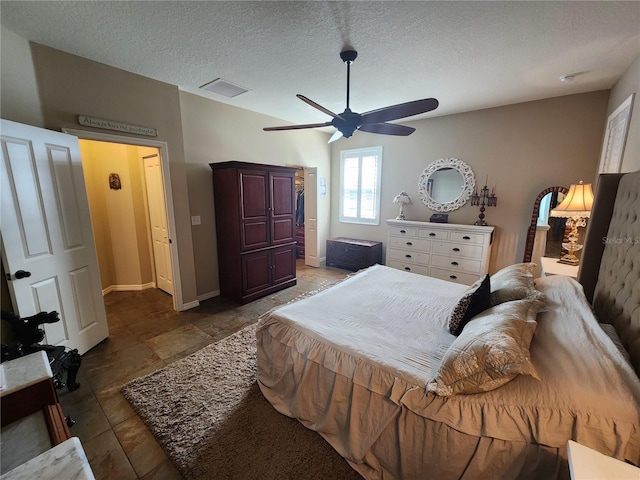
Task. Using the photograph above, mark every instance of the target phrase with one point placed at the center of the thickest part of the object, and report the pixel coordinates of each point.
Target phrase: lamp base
(567, 260)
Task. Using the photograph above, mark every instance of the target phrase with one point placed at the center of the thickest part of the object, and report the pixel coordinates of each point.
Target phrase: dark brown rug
(208, 413)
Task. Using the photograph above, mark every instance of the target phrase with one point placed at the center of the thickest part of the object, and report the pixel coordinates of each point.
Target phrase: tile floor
(145, 334)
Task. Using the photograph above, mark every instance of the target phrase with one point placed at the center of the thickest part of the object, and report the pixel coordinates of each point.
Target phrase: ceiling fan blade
(401, 110)
(387, 129)
(318, 106)
(297, 127)
(335, 136)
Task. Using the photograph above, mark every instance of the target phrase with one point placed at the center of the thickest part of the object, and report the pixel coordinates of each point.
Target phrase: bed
(372, 366)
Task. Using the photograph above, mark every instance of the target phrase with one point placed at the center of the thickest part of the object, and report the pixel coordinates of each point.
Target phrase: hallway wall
(119, 217)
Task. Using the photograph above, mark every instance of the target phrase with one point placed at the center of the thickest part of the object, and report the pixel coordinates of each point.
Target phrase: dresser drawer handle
(456, 249)
(408, 269)
(432, 234)
(409, 243)
(407, 256)
(403, 231)
(454, 263)
(466, 237)
(453, 277)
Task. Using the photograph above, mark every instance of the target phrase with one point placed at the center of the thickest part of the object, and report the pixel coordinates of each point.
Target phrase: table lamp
(402, 199)
(576, 208)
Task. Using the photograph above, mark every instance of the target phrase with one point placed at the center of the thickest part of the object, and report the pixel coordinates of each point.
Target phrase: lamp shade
(577, 202)
(403, 199)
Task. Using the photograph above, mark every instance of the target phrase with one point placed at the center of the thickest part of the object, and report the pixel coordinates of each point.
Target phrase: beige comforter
(354, 360)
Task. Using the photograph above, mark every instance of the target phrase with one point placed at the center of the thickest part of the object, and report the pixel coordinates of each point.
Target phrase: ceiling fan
(373, 121)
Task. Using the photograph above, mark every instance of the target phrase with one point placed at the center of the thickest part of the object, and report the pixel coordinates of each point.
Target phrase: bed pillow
(491, 350)
(474, 301)
(514, 282)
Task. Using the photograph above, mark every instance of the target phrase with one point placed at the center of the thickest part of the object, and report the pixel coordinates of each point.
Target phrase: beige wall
(629, 83)
(71, 85)
(119, 217)
(19, 100)
(215, 132)
(523, 148)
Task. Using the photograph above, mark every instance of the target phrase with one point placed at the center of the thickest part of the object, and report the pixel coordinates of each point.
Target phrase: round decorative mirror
(446, 184)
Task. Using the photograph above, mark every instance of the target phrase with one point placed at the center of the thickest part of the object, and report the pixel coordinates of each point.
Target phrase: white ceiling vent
(225, 88)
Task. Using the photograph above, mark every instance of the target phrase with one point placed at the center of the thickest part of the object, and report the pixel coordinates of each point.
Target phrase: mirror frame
(531, 231)
(467, 176)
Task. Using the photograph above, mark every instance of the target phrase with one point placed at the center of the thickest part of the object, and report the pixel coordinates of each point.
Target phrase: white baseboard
(207, 296)
(128, 288)
(188, 306)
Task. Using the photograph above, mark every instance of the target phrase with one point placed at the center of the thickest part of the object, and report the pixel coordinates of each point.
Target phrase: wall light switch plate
(195, 220)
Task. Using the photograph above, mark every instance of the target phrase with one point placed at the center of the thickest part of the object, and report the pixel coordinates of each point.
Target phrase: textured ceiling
(468, 55)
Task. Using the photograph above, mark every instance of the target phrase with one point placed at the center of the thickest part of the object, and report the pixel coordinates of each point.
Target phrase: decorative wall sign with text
(117, 126)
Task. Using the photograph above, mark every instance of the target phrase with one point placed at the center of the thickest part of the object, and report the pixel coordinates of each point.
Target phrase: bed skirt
(360, 413)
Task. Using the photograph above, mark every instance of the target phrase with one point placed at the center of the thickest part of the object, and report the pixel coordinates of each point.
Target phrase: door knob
(21, 274)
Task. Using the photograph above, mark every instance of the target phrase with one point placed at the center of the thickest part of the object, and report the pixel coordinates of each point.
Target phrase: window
(360, 174)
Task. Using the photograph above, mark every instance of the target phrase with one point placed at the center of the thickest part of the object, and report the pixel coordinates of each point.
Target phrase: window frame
(360, 153)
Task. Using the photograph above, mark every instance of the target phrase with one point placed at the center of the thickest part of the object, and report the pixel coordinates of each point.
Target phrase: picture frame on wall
(615, 137)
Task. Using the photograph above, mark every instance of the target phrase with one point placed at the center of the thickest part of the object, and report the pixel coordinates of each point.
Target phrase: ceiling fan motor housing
(348, 122)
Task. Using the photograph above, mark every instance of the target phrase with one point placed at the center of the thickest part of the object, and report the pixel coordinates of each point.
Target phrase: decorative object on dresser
(255, 225)
(446, 184)
(576, 207)
(484, 199)
(457, 253)
(353, 254)
(402, 199)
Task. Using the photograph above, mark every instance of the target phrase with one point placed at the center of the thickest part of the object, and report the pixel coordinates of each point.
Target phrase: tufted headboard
(616, 289)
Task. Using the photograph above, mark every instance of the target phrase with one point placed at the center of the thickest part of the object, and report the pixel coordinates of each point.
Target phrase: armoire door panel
(284, 263)
(282, 230)
(254, 195)
(255, 235)
(282, 195)
(256, 271)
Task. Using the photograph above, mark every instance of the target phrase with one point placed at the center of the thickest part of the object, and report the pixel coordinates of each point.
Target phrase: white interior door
(158, 219)
(46, 231)
(311, 216)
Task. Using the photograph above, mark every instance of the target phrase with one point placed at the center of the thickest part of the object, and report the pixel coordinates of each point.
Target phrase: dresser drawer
(457, 249)
(433, 234)
(467, 237)
(409, 256)
(456, 264)
(410, 267)
(457, 277)
(403, 231)
(416, 244)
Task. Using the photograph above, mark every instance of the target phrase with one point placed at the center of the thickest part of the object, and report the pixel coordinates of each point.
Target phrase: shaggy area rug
(208, 413)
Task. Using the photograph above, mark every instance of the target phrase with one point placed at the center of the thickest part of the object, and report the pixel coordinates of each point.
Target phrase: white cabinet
(457, 253)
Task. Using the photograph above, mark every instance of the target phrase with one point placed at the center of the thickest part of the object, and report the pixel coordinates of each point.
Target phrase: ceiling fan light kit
(374, 121)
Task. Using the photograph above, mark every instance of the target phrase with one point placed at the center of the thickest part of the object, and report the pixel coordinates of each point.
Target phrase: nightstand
(588, 464)
(550, 266)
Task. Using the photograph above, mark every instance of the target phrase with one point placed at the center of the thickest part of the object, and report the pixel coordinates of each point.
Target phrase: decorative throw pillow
(474, 301)
(490, 351)
(514, 282)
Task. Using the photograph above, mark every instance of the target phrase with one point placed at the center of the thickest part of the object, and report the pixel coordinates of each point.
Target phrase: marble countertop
(65, 461)
(24, 372)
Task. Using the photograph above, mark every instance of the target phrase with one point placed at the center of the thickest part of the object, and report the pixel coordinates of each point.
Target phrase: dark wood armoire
(255, 224)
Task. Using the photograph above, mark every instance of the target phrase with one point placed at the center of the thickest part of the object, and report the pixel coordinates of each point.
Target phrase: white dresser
(457, 253)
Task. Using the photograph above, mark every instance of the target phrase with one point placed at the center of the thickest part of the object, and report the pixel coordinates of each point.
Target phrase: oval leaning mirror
(446, 184)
